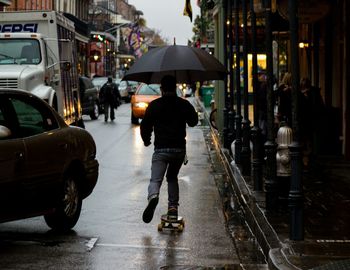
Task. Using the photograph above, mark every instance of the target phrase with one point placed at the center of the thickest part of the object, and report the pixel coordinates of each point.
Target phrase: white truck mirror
(4, 132)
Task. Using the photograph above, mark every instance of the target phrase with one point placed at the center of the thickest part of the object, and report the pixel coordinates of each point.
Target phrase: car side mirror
(4, 132)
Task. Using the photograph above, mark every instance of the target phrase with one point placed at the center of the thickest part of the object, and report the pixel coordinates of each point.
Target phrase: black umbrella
(186, 64)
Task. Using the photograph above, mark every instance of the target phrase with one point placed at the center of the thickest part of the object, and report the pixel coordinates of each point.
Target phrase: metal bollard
(284, 139)
(283, 163)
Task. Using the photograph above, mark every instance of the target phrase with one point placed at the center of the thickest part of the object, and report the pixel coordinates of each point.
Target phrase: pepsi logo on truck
(15, 28)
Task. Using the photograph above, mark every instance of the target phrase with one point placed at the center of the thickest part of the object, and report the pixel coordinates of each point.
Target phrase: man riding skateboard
(167, 117)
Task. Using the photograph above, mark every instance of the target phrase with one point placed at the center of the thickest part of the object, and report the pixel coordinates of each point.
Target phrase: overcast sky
(166, 16)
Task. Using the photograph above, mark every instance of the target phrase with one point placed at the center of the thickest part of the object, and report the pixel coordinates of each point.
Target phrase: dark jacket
(167, 117)
(109, 93)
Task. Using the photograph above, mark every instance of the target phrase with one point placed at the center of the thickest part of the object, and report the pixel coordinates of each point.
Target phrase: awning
(5, 2)
(82, 38)
(80, 26)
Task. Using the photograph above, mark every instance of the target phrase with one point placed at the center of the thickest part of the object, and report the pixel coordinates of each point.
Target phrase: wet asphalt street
(110, 233)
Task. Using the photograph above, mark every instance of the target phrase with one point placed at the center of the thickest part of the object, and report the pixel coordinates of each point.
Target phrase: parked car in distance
(122, 90)
(89, 98)
(47, 167)
(145, 93)
(186, 89)
(129, 87)
(100, 81)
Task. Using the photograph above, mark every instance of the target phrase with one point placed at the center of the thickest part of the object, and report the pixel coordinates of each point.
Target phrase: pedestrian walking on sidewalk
(284, 99)
(167, 117)
(110, 98)
(311, 120)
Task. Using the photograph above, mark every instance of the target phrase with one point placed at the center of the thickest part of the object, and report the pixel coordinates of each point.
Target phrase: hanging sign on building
(309, 11)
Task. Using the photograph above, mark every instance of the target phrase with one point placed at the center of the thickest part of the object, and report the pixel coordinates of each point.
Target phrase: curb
(274, 250)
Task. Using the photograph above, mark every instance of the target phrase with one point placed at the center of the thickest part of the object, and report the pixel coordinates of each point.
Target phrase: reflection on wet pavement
(247, 247)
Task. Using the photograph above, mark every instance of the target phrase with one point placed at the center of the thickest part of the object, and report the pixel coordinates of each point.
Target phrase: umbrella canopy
(187, 64)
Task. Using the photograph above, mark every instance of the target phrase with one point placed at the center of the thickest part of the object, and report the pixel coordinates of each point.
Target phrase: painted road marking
(141, 246)
(91, 243)
(332, 241)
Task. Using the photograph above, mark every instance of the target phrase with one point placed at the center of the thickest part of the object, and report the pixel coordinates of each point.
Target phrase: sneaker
(172, 212)
(149, 211)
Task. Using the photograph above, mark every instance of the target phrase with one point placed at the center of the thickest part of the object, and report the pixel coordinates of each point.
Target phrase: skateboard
(171, 224)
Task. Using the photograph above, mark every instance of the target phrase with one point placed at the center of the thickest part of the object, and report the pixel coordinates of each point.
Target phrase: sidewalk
(326, 242)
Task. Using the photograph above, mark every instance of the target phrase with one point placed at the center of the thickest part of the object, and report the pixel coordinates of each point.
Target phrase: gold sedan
(144, 94)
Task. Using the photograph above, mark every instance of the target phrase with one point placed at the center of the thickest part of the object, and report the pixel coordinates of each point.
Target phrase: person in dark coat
(167, 117)
(311, 108)
(284, 99)
(261, 104)
(110, 98)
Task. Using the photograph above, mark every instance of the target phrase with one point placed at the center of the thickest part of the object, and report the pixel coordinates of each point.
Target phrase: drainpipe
(270, 145)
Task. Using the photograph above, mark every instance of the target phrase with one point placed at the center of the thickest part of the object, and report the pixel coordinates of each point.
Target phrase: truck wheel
(67, 212)
(94, 114)
(134, 120)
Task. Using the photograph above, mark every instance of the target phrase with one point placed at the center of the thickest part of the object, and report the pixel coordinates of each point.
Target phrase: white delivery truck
(38, 54)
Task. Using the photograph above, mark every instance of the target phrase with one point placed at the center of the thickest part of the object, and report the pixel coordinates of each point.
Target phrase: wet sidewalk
(326, 243)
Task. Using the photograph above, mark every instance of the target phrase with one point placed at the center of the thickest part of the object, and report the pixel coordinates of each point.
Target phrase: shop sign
(309, 11)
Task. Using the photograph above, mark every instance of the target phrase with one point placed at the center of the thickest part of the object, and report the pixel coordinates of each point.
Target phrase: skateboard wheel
(160, 227)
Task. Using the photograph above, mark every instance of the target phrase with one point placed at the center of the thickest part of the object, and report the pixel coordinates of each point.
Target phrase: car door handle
(19, 155)
(64, 146)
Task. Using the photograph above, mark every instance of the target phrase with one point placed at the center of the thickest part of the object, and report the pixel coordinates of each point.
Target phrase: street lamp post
(231, 114)
(256, 131)
(296, 197)
(238, 117)
(226, 95)
(246, 122)
(270, 145)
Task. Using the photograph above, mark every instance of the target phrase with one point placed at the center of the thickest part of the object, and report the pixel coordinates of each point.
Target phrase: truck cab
(37, 54)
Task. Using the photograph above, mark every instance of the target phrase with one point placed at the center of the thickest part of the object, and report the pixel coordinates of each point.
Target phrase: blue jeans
(169, 161)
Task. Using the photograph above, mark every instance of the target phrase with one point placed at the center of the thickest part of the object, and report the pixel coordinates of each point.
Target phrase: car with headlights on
(47, 167)
(144, 94)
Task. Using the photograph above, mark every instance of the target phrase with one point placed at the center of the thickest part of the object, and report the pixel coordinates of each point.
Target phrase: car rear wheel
(67, 212)
(94, 114)
(134, 120)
